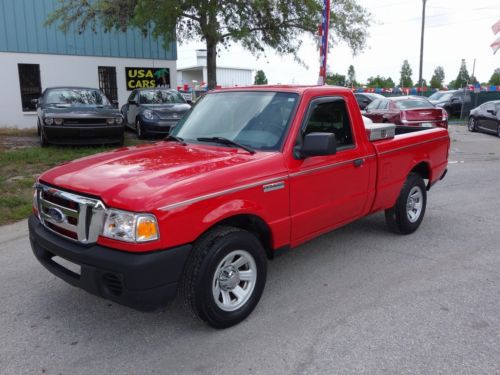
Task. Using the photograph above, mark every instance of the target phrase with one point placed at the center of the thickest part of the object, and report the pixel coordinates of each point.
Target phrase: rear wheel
(408, 212)
(224, 276)
(472, 124)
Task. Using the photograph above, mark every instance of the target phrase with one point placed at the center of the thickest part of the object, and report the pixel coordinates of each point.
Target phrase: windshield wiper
(175, 139)
(226, 141)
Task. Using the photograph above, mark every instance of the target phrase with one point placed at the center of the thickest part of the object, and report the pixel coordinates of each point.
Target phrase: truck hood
(147, 177)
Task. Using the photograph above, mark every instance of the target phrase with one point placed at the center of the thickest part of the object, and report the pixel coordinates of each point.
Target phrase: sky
(455, 30)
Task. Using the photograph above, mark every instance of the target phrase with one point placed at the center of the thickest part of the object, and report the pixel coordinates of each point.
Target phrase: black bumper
(142, 281)
(84, 134)
(158, 126)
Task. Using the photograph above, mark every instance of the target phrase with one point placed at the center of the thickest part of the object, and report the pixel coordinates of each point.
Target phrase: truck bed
(430, 145)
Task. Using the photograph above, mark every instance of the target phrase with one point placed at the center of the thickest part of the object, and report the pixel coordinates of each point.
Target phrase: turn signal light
(147, 229)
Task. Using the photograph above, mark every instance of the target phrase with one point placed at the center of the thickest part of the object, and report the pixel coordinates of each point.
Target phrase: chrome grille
(70, 215)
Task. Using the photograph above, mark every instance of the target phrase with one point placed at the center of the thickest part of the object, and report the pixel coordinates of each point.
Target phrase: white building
(194, 75)
(34, 57)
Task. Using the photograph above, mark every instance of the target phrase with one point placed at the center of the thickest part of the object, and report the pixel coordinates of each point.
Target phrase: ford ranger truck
(246, 174)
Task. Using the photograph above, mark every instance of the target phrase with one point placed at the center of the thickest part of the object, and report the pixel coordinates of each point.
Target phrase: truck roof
(299, 89)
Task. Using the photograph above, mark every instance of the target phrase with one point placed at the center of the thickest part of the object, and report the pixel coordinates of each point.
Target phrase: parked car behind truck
(154, 111)
(407, 111)
(247, 173)
(77, 115)
(486, 118)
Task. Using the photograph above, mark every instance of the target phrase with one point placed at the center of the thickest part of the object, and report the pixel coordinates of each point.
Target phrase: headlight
(110, 121)
(148, 114)
(118, 120)
(130, 227)
(58, 121)
(48, 121)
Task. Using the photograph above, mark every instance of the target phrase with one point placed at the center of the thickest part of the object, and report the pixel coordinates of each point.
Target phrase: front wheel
(224, 276)
(140, 129)
(43, 139)
(408, 212)
(471, 124)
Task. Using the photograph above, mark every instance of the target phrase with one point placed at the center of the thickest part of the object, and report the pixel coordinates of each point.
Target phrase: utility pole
(420, 82)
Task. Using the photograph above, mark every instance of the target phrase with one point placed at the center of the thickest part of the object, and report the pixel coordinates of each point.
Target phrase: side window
(374, 104)
(331, 117)
(384, 104)
(29, 82)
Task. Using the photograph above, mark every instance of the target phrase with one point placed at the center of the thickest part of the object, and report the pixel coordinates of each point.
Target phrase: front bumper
(142, 281)
(158, 126)
(83, 134)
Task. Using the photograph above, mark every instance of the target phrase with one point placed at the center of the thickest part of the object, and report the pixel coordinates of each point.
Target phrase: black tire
(204, 263)
(498, 130)
(139, 129)
(43, 139)
(398, 217)
(471, 125)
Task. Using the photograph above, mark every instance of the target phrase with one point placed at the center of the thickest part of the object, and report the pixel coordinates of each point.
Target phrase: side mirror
(316, 144)
(454, 100)
(190, 102)
(132, 102)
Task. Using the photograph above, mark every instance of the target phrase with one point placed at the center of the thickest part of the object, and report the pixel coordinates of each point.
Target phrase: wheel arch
(252, 223)
(423, 169)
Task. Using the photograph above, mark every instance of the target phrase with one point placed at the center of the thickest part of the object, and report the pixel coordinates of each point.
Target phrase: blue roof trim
(22, 30)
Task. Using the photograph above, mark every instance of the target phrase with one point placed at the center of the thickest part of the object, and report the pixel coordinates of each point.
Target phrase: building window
(29, 81)
(107, 82)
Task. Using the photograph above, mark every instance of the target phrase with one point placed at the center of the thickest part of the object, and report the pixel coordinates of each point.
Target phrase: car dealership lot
(357, 300)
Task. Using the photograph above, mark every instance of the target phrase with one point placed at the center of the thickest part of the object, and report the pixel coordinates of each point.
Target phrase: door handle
(358, 162)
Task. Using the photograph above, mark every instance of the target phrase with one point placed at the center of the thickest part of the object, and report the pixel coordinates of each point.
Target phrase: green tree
(335, 79)
(256, 24)
(406, 73)
(437, 78)
(463, 76)
(260, 78)
(351, 76)
(380, 82)
(495, 78)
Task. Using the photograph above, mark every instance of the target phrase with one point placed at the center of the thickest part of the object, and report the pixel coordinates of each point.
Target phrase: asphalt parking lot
(357, 300)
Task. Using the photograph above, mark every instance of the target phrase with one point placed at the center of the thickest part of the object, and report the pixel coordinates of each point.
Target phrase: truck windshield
(257, 119)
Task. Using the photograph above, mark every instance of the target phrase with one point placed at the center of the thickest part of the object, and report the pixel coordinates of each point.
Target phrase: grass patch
(20, 167)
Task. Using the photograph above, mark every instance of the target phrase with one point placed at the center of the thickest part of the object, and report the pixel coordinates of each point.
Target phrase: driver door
(327, 191)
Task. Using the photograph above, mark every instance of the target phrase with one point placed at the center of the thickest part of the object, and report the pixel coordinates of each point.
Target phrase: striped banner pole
(323, 34)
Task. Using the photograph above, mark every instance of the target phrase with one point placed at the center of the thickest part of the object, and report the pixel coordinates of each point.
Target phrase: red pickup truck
(246, 174)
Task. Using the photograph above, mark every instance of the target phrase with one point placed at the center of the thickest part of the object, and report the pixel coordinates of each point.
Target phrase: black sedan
(365, 98)
(77, 115)
(154, 111)
(486, 117)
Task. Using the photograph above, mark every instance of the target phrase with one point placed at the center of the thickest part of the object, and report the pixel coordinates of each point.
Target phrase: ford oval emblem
(56, 214)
